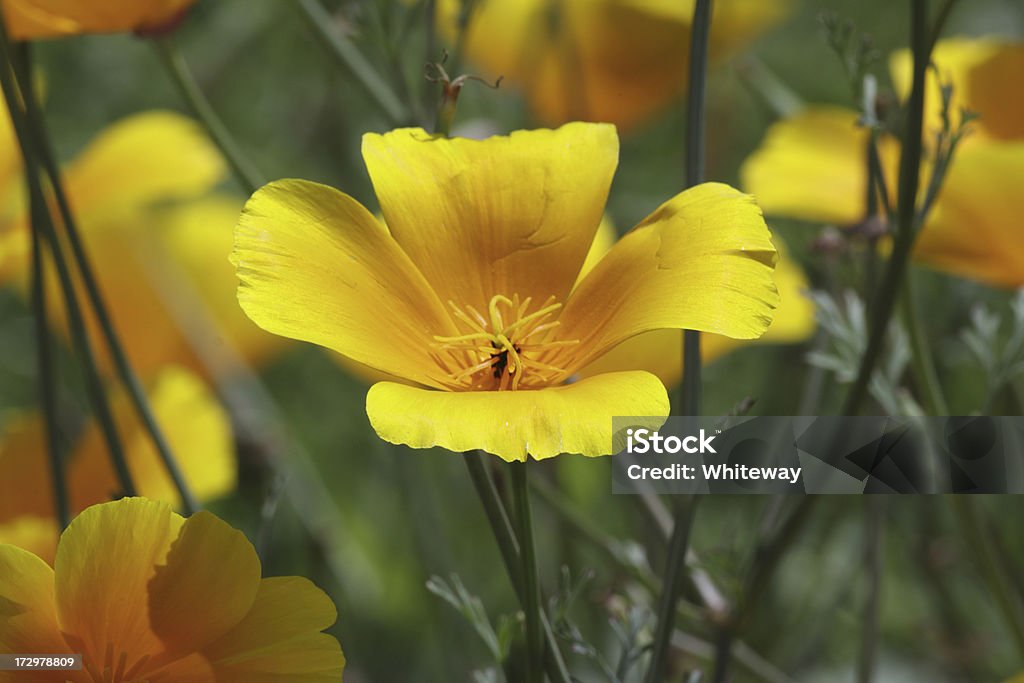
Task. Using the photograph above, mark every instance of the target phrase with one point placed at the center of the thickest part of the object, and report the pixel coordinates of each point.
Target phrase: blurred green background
(396, 517)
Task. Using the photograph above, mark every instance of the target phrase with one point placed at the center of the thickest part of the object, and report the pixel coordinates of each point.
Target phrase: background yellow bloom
(196, 427)
(144, 594)
(619, 61)
(28, 19)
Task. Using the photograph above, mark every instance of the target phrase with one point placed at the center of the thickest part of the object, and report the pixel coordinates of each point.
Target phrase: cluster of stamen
(116, 669)
(507, 349)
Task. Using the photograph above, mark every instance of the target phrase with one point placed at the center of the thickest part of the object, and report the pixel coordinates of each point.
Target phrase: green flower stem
(352, 61)
(243, 169)
(998, 577)
(874, 531)
(43, 222)
(690, 394)
(508, 545)
(922, 365)
(906, 225)
(675, 567)
(531, 583)
(95, 297)
(47, 380)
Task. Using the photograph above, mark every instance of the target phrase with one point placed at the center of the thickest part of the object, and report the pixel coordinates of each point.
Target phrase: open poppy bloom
(468, 292)
(31, 19)
(194, 423)
(813, 165)
(144, 594)
(156, 239)
(618, 61)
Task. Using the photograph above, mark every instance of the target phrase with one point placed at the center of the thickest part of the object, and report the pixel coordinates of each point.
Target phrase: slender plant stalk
(671, 587)
(47, 379)
(36, 124)
(508, 545)
(44, 223)
(352, 61)
(244, 170)
(922, 364)
(690, 396)
(906, 228)
(531, 581)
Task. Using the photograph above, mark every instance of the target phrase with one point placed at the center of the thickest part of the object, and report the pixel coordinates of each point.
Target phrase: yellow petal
(604, 240)
(979, 70)
(974, 228)
(315, 265)
(28, 612)
(29, 19)
(105, 561)
(574, 418)
(38, 535)
(205, 587)
(660, 352)
(150, 157)
(196, 427)
(702, 261)
(508, 215)
(813, 166)
(196, 236)
(279, 640)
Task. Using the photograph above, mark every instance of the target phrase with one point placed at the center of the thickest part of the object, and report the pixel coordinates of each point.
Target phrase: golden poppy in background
(157, 241)
(468, 291)
(196, 427)
(813, 165)
(615, 61)
(144, 594)
(31, 19)
(660, 352)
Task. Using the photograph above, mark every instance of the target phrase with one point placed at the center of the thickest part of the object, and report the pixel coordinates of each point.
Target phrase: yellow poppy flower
(660, 352)
(196, 427)
(150, 240)
(618, 61)
(31, 19)
(144, 594)
(813, 166)
(468, 290)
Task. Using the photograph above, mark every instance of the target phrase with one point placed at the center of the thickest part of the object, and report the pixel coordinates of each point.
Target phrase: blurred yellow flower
(813, 166)
(617, 61)
(134, 191)
(31, 19)
(144, 594)
(196, 428)
(660, 351)
(468, 289)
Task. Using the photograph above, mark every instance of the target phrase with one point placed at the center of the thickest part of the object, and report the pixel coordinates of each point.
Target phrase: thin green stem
(47, 380)
(95, 297)
(501, 527)
(531, 581)
(44, 222)
(922, 364)
(177, 68)
(675, 568)
(690, 396)
(906, 228)
(351, 60)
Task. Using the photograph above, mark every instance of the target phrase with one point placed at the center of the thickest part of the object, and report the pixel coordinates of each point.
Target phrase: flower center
(118, 669)
(508, 349)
